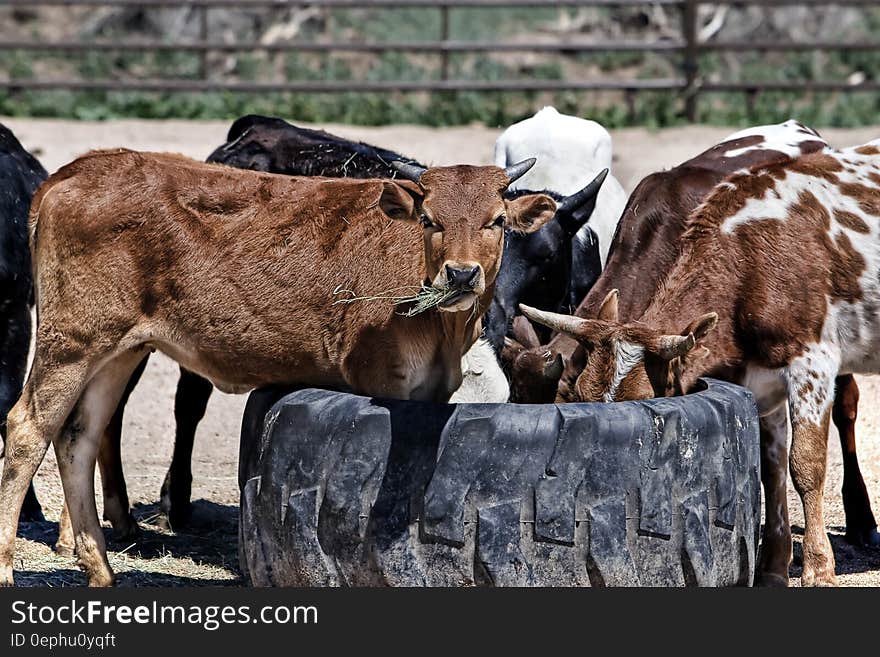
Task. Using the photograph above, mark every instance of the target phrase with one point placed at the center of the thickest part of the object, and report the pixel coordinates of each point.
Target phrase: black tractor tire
(343, 490)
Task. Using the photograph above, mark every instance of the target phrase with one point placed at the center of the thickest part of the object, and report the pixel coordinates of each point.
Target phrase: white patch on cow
(850, 339)
(811, 383)
(626, 357)
(484, 380)
(773, 205)
(604, 220)
(784, 137)
(570, 151)
(855, 327)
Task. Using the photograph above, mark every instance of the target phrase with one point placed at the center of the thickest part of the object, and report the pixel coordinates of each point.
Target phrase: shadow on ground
(848, 558)
(187, 557)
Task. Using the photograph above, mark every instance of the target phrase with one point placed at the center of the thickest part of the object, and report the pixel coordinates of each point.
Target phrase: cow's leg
(861, 527)
(35, 420)
(776, 536)
(77, 450)
(190, 402)
(13, 355)
(65, 545)
(810, 394)
(116, 505)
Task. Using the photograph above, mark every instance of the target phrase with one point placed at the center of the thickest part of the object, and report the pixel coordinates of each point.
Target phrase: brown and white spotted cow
(777, 287)
(644, 250)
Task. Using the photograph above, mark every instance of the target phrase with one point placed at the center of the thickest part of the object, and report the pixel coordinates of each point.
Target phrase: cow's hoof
(6, 576)
(31, 511)
(813, 578)
(126, 530)
(771, 580)
(100, 579)
(64, 549)
(869, 537)
(177, 518)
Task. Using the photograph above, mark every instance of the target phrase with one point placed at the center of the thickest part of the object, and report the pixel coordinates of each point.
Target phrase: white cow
(484, 380)
(571, 151)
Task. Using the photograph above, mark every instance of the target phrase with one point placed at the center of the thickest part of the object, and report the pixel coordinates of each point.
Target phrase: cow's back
(648, 237)
(206, 250)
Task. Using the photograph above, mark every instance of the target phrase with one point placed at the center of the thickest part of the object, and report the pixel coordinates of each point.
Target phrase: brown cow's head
(463, 215)
(534, 370)
(619, 362)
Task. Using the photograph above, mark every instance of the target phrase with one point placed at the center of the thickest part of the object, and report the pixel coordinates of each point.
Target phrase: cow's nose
(462, 279)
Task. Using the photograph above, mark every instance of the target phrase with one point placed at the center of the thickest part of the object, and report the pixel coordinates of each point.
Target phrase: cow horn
(675, 346)
(408, 171)
(565, 323)
(517, 170)
(576, 200)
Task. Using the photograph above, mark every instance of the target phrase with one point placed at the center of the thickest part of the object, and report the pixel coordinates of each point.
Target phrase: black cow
(20, 175)
(264, 143)
(541, 260)
(538, 266)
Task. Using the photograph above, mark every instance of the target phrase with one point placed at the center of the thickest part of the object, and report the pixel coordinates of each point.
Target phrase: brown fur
(768, 280)
(645, 247)
(234, 274)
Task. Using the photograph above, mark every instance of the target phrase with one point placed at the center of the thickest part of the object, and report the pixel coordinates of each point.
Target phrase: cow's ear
(527, 214)
(554, 366)
(400, 199)
(702, 325)
(524, 332)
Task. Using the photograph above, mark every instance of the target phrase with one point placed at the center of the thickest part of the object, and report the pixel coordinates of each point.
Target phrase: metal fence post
(203, 35)
(691, 58)
(444, 37)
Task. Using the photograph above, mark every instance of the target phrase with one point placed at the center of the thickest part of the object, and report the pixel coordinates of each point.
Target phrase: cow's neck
(459, 332)
(698, 285)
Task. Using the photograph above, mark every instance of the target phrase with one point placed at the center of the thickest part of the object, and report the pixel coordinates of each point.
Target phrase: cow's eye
(498, 222)
(426, 222)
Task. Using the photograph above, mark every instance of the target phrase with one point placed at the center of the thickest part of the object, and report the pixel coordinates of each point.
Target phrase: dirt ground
(206, 552)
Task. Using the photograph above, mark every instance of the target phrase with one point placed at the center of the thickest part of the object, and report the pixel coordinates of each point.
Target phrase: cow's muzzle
(465, 280)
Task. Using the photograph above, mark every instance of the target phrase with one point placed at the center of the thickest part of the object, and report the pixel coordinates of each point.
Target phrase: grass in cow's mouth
(426, 298)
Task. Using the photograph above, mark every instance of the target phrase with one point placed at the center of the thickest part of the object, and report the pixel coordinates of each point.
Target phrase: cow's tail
(34, 222)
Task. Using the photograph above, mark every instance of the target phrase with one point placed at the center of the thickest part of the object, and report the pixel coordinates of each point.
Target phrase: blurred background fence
(443, 61)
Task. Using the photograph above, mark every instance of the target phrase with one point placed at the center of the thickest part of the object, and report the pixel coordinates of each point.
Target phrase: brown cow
(232, 273)
(784, 260)
(643, 251)
(648, 240)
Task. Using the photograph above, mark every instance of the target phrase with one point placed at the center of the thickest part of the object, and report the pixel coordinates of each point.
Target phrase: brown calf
(232, 273)
(784, 260)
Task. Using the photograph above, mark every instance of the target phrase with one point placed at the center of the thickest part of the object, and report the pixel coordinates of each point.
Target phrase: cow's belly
(381, 367)
(768, 386)
(857, 333)
(237, 373)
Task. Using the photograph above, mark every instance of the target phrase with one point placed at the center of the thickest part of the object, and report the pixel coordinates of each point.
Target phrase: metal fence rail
(688, 47)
